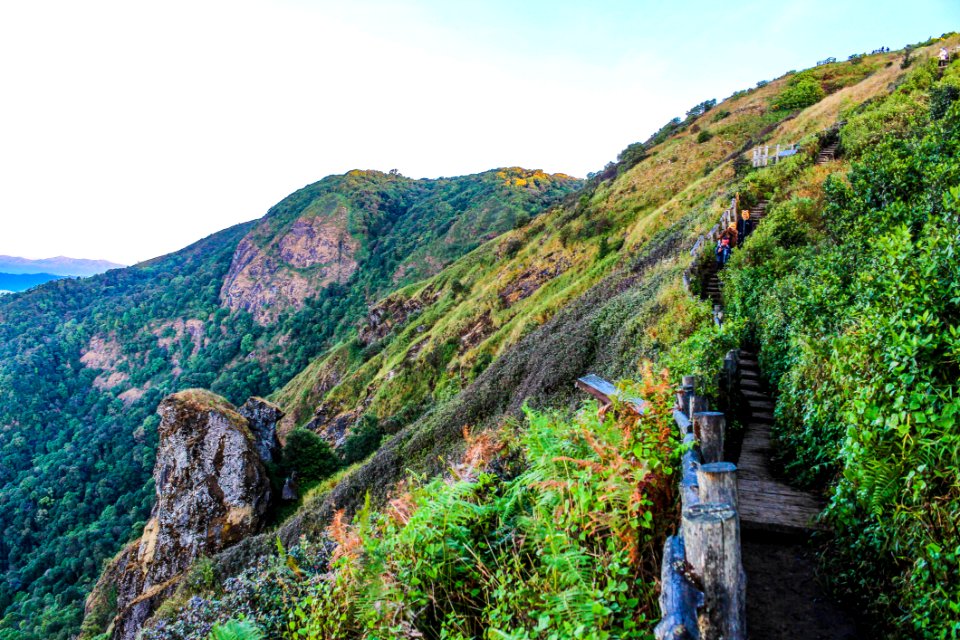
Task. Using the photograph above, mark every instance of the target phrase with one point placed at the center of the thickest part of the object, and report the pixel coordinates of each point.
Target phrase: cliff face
(212, 491)
(264, 279)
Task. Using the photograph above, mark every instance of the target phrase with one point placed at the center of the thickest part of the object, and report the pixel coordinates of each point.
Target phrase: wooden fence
(762, 157)
(703, 586)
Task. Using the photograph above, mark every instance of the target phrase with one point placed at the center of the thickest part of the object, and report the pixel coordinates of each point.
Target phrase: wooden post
(727, 380)
(712, 539)
(697, 404)
(679, 599)
(688, 387)
(717, 482)
(709, 428)
(689, 479)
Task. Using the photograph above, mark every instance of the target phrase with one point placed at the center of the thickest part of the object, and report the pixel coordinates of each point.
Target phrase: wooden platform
(766, 503)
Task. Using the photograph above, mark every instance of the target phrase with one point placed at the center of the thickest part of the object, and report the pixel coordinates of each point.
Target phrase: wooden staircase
(766, 502)
(827, 153)
(711, 290)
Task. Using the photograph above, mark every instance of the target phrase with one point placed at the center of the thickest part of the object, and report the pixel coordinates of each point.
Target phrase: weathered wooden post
(717, 482)
(729, 376)
(709, 428)
(688, 388)
(697, 404)
(712, 539)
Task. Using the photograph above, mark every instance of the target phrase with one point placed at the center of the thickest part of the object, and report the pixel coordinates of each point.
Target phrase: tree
(702, 108)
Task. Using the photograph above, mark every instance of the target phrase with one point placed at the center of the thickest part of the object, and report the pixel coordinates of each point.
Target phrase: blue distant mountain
(58, 266)
(22, 281)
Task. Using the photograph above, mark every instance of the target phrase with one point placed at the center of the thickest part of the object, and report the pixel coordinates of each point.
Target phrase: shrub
(802, 91)
(309, 455)
(941, 97)
(855, 303)
(703, 136)
(363, 441)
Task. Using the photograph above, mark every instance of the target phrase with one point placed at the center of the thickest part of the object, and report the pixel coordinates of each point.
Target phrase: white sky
(131, 129)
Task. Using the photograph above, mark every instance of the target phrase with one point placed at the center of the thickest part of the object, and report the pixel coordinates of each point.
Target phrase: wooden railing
(762, 156)
(703, 586)
(728, 216)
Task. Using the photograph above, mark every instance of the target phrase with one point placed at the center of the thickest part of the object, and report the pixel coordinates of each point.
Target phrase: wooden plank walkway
(767, 503)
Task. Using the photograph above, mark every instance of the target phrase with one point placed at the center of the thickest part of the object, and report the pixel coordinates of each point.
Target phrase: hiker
(944, 56)
(723, 251)
(744, 227)
(731, 234)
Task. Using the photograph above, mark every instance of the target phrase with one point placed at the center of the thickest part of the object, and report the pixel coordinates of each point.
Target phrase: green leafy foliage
(802, 91)
(235, 630)
(309, 455)
(856, 300)
(562, 542)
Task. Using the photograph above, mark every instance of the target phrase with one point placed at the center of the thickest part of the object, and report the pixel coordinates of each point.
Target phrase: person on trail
(744, 227)
(723, 251)
(944, 56)
(731, 234)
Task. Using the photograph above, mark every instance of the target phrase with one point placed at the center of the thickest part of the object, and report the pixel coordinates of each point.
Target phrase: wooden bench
(606, 393)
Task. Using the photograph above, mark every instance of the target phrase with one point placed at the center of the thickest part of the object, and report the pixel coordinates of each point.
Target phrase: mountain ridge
(58, 266)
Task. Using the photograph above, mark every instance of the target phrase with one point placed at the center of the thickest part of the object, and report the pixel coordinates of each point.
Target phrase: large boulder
(212, 491)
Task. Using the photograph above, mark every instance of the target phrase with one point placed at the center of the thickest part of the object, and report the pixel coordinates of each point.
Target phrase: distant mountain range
(58, 266)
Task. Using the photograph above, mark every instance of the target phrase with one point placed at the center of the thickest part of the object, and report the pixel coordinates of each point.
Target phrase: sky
(132, 128)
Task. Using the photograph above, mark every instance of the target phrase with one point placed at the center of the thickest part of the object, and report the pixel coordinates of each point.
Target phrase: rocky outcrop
(270, 273)
(212, 491)
(394, 312)
(262, 417)
(534, 277)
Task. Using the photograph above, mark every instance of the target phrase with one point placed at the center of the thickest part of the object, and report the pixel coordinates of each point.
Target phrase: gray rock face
(212, 491)
(262, 417)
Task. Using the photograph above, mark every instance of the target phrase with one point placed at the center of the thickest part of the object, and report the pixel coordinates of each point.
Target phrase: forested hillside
(84, 363)
(549, 522)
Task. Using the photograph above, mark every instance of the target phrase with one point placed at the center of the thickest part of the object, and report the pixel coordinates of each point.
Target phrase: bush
(363, 441)
(802, 91)
(941, 97)
(309, 455)
(703, 136)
